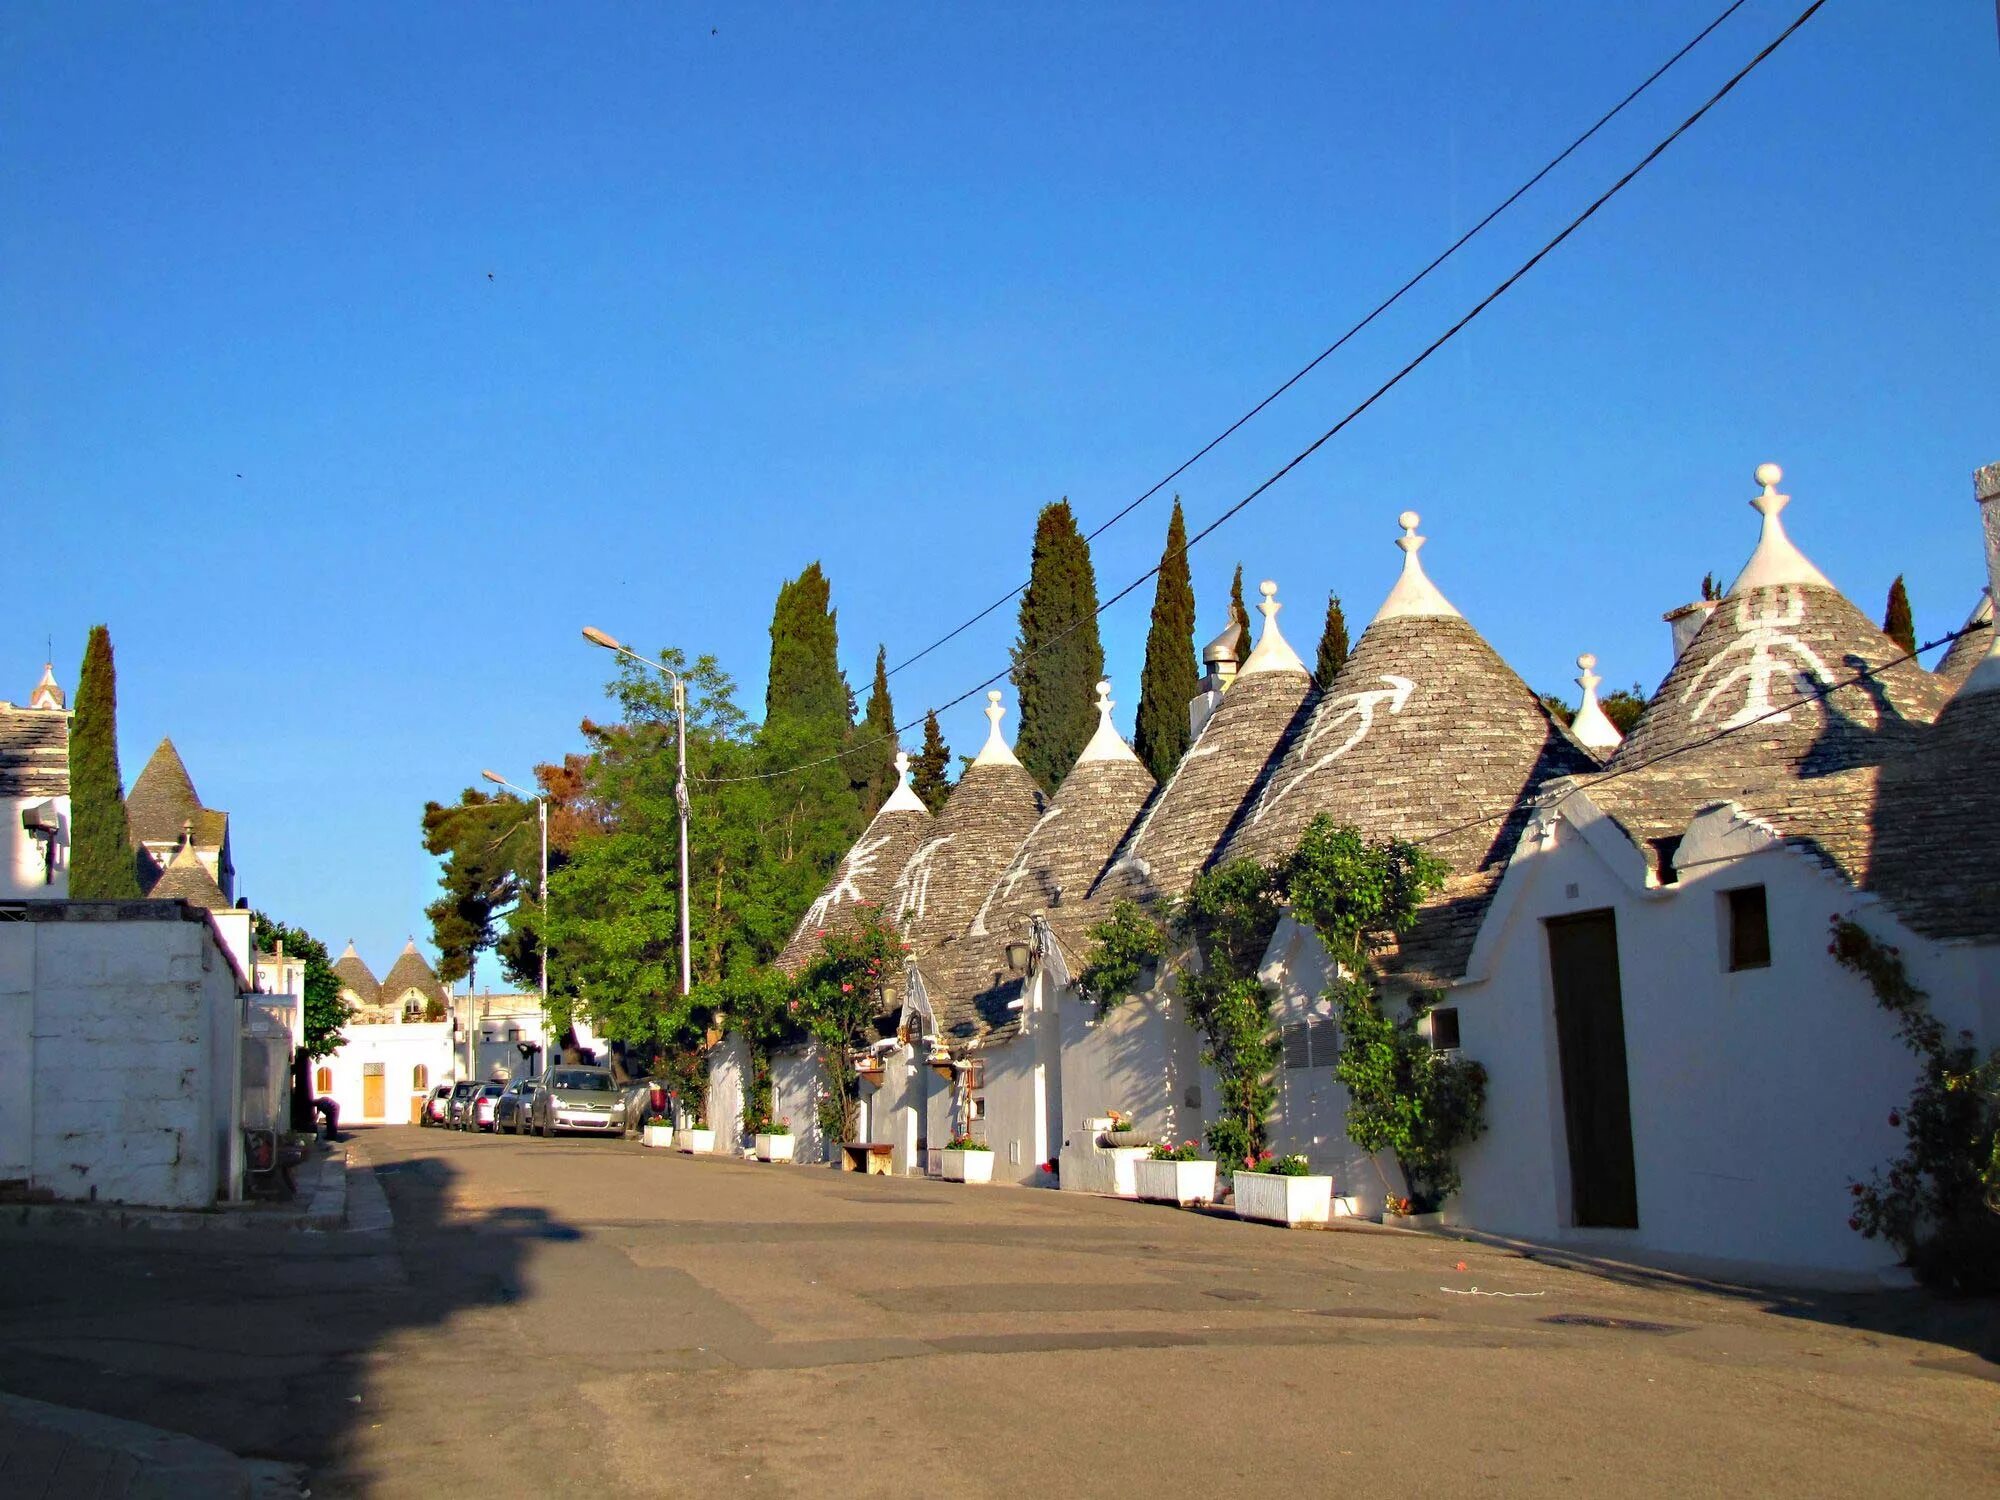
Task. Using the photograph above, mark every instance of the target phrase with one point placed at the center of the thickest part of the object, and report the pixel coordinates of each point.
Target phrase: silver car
(581, 1099)
(513, 1111)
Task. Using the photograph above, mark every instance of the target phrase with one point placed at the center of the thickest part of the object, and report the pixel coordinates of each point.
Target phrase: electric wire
(1381, 307)
(1513, 279)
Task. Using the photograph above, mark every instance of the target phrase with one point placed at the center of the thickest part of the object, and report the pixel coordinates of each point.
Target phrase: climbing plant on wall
(841, 993)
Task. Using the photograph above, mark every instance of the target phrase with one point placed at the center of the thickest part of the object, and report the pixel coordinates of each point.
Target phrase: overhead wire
(1381, 307)
(1728, 87)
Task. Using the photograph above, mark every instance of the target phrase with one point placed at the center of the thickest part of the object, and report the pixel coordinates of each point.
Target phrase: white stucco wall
(728, 1074)
(121, 1024)
(1140, 1057)
(399, 1048)
(794, 1095)
(1757, 1097)
(23, 874)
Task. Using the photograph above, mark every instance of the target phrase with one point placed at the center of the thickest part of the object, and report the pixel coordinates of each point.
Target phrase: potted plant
(1282, 1190)
(697, 1139)
(774, 1142)
(1175, 1174)
(659, 1133)
(967, 1160)
(1120, 1131)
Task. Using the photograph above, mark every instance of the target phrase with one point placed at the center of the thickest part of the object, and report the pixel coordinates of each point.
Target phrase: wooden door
(1590, 1035)
(373, 1092)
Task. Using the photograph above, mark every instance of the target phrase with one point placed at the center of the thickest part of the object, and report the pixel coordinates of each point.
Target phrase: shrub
(1278, 1166)
(1168, 1151)
(966, 1143)
(1121, 948)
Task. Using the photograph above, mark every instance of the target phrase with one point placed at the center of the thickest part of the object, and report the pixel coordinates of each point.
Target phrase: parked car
(578, 1098)
(479, 1114)
(437, 1108)
(511, 1114)
(460, 1101)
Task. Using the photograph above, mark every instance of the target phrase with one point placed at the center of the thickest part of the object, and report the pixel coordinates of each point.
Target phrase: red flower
(845, 988)
(1895, 1119)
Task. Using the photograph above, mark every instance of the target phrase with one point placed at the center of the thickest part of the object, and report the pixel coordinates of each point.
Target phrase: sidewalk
(319, 1204)
(57, 1453)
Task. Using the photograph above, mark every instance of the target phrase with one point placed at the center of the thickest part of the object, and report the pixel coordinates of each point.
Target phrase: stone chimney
(1219, 658)
(1687, 622)
(1985, 676)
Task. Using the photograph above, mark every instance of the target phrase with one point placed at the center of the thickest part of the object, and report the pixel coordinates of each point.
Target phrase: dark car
(511, 1113)
(576, 1098)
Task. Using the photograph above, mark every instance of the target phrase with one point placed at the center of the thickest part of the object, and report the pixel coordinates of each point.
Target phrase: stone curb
(140, 1462)
(321, 1205)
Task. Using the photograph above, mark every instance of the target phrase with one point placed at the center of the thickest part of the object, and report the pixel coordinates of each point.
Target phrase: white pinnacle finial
(1107, 743)
(1273, 653)
(904, 798)
(1414, 594)
(1591, 726)
(1776, 561)
(996, 751)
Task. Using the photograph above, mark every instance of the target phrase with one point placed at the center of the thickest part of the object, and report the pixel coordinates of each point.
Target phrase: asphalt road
(585, 1317)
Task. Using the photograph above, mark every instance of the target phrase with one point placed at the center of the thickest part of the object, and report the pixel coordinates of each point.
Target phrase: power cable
(1319, 442)
(1381, 307)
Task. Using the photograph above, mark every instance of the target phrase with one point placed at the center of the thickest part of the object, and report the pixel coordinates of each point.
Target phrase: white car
(580, 1099)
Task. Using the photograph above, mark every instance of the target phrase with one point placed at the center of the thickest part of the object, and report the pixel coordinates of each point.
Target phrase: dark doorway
(1597, 1105)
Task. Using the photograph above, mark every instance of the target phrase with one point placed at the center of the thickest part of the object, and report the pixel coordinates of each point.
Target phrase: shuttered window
(1313, 1043)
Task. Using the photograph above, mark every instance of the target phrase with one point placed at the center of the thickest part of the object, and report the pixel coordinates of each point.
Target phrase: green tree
(326, 1014)
(875, 744)
(808, 731)
(842, 993)
(1623, 707)
(1058, 658)
(490, 849)
(1238, 615)
(930, 772)
(805, 681)
(102, 865)
(1332, 642)
(1171, 674)
(1897, 623)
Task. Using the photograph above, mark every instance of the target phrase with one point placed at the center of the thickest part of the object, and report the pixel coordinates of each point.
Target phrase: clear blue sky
(870, 285)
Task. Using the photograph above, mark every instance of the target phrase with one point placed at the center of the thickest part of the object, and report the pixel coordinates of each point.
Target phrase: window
(978, 1109)
(1444, 1029)
(1311, 1043)
(1749, 928)
(323, 1081)
(420, 1078)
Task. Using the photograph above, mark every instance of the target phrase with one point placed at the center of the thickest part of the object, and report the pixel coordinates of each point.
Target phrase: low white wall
(398, 1048)
(1141, 1058)
(124, 1023)
(794, 1096)
(728, 1076)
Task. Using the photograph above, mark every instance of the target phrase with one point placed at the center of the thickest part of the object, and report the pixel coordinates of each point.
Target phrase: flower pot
(698, 1142)
(1120, 1138)
(1283, 1200)
(659, 1135)
(1432, 1220)
(775, 1147)
(967, 1166)
(1175, 1181)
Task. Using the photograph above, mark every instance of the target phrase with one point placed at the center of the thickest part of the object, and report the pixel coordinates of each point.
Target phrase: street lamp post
(598, 637)
(541, 816)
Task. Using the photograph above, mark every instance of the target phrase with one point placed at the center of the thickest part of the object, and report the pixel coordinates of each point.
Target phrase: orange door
(372, 1100)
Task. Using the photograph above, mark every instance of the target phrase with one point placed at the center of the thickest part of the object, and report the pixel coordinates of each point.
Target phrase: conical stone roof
(163, 805)
(867, 872)
(411, 972)
(1957, 662)
(187, 879)
(355, 975)
(1212, 787)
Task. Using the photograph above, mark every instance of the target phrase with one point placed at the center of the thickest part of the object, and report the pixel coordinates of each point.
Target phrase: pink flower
(845, 988)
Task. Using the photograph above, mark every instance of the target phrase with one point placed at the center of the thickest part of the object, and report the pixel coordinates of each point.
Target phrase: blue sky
(872, 284)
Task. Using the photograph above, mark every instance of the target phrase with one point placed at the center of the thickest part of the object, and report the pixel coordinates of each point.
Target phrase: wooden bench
(870, 1158)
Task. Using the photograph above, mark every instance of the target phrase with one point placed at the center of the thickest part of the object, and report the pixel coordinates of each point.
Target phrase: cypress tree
(1332, 642)
(930, 772)
(805, 683)
(1237, 612)
(1171, 674)
(102, 866)
(808, 724)
(875, 751)
(1058, 659)
(1897, 623)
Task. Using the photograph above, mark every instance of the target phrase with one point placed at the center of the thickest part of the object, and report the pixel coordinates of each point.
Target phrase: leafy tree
(1559, 708)
(842, 992)
(326, 1014)
(1897, 623)
(1058, 658)
(930, 772)
(805, 681)
(1623, 707)
(808, 728)
(491, 852)
(1710, 589)
(875, 744)
(102, 864)
(1227, 919)
(1238, 615)
(1171, 673)
(1332, 642)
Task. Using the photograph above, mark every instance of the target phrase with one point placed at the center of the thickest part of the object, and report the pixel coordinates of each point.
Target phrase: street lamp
(541, 816)
(598, 637)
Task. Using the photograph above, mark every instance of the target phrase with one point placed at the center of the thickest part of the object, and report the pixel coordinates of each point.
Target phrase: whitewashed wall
(23, 874)
(728, 1075)
(1139, 1057)
(400, 1048)
(794, 1096)
(1757, 1097)
(121, 1026)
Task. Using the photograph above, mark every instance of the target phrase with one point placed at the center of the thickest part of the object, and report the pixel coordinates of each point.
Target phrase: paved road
(565, 1316)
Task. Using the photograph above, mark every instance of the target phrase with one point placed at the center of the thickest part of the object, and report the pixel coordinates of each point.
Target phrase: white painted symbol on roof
(859, 865)
(1360, 712)
(1756, 658)
(1017, 871)
(915, 881)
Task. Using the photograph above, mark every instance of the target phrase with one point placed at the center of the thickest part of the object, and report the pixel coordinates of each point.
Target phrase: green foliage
(1058, 658)
(326, 1014)
(1122, 947)
(1171, 674)
(1355, 891)
(805, 681)
(1332, 642)
(1238, 615)
(102, 864)
(1623, 707)
(966, 1143)
(842, 993)
(490, 847)
(760, 1006)
(1227, 920)
(1939, 1202)
(1559, 708)
(930, 772)
(1293, 1165)
(1710, 589)
(1897, 622)
(875, 745)
(1168, 1151)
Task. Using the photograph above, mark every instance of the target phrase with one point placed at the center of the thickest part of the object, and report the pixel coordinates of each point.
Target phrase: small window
(978, 1111)
(323, 1081)
(1749, 928)
(420, 1078)
(1444, 1029)
(1297, 1046)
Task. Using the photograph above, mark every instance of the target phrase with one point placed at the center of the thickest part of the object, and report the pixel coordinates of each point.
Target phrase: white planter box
(1175, 1181)
(660, 1135)
(967, 1166)
(698, 1142)
(774, 1147)
(1413, 1221)
(1283, 1200)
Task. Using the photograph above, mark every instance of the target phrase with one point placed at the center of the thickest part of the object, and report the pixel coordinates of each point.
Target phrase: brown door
(373, 1093)
(1590, 1034)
